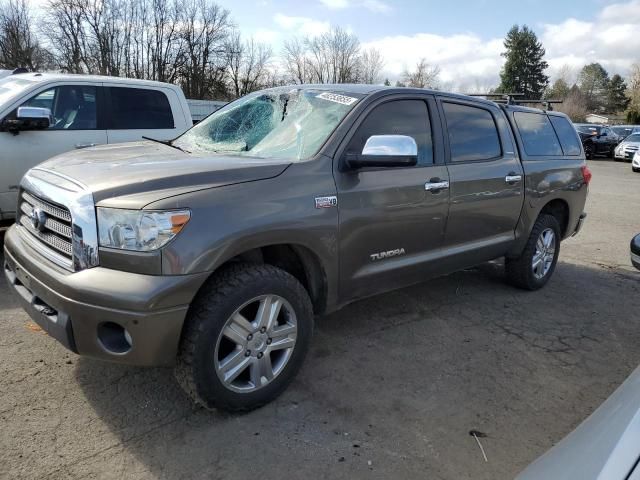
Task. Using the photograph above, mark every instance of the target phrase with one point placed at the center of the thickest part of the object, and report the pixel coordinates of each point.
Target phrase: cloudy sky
(462, 37)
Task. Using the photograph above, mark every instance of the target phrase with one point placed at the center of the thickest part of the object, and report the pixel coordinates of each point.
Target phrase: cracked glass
(289, 124)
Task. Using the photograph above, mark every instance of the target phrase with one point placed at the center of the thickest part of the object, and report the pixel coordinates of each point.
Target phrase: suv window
(73, 107)
(537, 134)
(473, 134)
(139, 108)
(567, 135)
(398, 117)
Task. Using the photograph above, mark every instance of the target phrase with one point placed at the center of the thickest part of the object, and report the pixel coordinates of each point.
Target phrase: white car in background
(42, 115)
(628, 147)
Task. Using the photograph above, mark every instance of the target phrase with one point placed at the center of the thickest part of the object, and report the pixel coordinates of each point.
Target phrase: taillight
(586, 174)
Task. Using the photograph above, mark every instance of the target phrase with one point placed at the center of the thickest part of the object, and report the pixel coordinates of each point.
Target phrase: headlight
(139, 230)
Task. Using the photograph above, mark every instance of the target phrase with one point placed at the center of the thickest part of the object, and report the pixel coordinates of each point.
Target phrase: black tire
(519, 270)
(635, 169)
(219, 298)
(588, 151)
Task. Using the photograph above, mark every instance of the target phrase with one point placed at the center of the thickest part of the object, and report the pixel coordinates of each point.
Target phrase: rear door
(140, 112)
(486, 178)
(390, 225)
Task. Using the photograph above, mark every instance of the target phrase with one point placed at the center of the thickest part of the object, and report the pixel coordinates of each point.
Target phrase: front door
(486, 182)
(74, 125)
(389, 223)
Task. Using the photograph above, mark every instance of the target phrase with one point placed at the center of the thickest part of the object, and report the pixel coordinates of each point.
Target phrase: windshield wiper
(165, 142)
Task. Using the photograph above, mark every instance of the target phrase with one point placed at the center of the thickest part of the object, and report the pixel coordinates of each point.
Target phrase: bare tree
(19, 46)
(332, 57)
(105, 35)
(247, 64)
(296, 64)
(574, 105)
(205, 32)
(370, 66)
(424, 75)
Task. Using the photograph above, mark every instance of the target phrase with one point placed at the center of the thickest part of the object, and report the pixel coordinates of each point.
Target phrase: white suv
(42, 115)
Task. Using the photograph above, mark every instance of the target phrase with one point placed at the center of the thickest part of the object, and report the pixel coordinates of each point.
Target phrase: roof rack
(509, 99)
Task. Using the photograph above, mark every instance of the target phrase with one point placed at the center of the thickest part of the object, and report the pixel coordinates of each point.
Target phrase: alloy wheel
(256, 343)
(544, 254)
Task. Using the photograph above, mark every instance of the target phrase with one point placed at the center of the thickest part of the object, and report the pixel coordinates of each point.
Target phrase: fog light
(114, 338)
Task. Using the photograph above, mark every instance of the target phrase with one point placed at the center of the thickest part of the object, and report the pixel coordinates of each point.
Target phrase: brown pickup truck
(213, 252)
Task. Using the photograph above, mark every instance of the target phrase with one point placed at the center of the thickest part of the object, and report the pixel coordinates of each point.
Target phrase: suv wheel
(537, 262)
(245, 337)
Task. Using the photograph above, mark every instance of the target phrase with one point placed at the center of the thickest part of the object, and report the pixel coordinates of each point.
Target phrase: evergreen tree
(593, 81)
(387, 83)
(523, 71)
(617, 100)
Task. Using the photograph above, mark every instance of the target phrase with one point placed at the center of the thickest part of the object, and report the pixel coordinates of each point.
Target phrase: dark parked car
(625, 130)
(635, 251)
(597, 139)
(214, 252)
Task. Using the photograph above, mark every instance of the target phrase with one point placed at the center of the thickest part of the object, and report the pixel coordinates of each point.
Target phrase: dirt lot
(390, 390)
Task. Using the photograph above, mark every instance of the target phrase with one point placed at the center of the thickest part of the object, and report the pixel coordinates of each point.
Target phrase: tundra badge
(387, 254)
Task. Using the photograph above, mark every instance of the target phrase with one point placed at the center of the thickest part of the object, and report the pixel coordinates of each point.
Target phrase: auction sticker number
(334, 97)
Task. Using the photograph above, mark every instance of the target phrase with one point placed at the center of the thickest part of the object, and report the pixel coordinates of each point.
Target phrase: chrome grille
(55, 233)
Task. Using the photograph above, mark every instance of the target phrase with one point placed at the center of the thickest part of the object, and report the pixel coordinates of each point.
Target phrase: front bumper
(78, 308)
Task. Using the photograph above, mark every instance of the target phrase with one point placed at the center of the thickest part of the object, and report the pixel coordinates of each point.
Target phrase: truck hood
(131, 175)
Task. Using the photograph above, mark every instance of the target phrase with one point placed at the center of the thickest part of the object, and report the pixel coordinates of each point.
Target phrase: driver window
(73, 107)
(398, 117)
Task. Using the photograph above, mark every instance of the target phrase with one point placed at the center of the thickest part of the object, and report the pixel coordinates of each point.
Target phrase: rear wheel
(588, 151)
(534, 267)
(245, 338)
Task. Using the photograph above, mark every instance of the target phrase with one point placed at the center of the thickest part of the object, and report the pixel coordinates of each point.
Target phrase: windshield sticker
(334, 97)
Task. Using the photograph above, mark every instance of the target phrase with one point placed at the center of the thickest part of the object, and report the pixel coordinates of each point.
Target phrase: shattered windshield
(282, 123)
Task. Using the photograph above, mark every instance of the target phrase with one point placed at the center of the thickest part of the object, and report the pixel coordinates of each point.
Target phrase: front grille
(55, 232)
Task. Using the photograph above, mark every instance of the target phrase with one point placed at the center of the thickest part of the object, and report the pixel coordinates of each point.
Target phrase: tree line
(591, 91)
(197, 45)
(192, 43)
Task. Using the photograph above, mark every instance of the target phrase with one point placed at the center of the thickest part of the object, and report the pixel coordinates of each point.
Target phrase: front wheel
(245, 337)
(534, 267)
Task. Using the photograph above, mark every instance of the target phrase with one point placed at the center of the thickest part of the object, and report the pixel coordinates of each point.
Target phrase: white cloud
(611, 39)
(377, 6)
(301, 25)
(469, 62)
(466, 61)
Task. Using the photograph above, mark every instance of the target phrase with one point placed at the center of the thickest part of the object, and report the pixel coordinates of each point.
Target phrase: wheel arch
(299, 260)
(559, 208)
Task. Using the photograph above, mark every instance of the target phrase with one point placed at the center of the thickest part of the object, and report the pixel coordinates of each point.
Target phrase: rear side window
(139, 108)
(399, 117)
(472, 133)
(537, 134)
(567, 135)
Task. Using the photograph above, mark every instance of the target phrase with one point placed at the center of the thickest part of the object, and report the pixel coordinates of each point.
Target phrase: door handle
(435, 185)
(85, 145)
(513, 178)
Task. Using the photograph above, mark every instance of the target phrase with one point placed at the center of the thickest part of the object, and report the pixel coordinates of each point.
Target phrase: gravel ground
(391, 389)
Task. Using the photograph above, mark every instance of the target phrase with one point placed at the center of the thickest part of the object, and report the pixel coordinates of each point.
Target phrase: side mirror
(28, 118)
(34, 118)
(386, 151)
